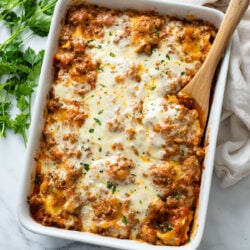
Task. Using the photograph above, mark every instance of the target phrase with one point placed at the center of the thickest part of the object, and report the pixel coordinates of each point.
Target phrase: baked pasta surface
(120, 152)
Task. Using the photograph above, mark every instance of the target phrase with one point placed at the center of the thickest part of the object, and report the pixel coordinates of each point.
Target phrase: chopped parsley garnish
(98, 121)
(153, 88)
(169, 227)
(176, 195)
(99, 46)
(167, 56)
(111, 186)
(100, 149)
(91, 130)
(100, 112)
(89, 41)
(156, 31)
(86, 166)
(157, 68)
(182, 73)
(101, 69)
(124, 220)
(102, 85)
(112, 54)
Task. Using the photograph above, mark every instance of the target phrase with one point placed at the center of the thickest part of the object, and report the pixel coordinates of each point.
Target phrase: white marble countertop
(227, 226)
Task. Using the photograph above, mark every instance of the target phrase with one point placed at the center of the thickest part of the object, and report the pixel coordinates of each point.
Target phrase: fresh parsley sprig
(19, 68)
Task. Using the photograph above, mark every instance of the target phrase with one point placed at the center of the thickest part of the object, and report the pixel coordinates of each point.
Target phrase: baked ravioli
(121, 153)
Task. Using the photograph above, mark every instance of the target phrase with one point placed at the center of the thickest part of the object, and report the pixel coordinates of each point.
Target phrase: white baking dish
(163, 7)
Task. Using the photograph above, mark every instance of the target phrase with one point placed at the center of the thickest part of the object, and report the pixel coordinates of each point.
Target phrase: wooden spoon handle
(234, 13)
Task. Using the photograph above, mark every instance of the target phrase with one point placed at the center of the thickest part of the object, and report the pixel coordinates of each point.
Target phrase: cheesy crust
(120, 154)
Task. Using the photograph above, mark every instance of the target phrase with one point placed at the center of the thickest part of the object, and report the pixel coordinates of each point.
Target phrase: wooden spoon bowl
(200, 86)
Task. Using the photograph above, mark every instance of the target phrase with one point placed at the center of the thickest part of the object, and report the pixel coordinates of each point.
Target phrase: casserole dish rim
(45, 81)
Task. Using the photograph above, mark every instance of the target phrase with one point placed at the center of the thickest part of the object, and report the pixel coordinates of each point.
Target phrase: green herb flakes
(100, 112)
(176, 195)
(111, 186)
(156, 31)
(89, 41)
(169, 228)
(86, 167)
(124, 220)
(98, 121)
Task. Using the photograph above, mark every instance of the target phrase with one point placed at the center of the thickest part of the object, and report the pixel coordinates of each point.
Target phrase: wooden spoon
(199, 87)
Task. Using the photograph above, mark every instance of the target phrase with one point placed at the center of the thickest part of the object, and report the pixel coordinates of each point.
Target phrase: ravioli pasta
(120, 154)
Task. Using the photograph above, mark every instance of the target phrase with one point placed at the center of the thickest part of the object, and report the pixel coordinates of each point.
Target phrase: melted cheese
(118, 139)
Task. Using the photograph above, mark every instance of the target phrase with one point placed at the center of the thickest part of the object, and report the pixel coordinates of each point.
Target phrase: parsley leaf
(23, 104)
(20, 125)
(31, 57)
(19, 69)
(98, 121)
(169, 227)
(40, 25)
(111, 186)
(124, 220)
